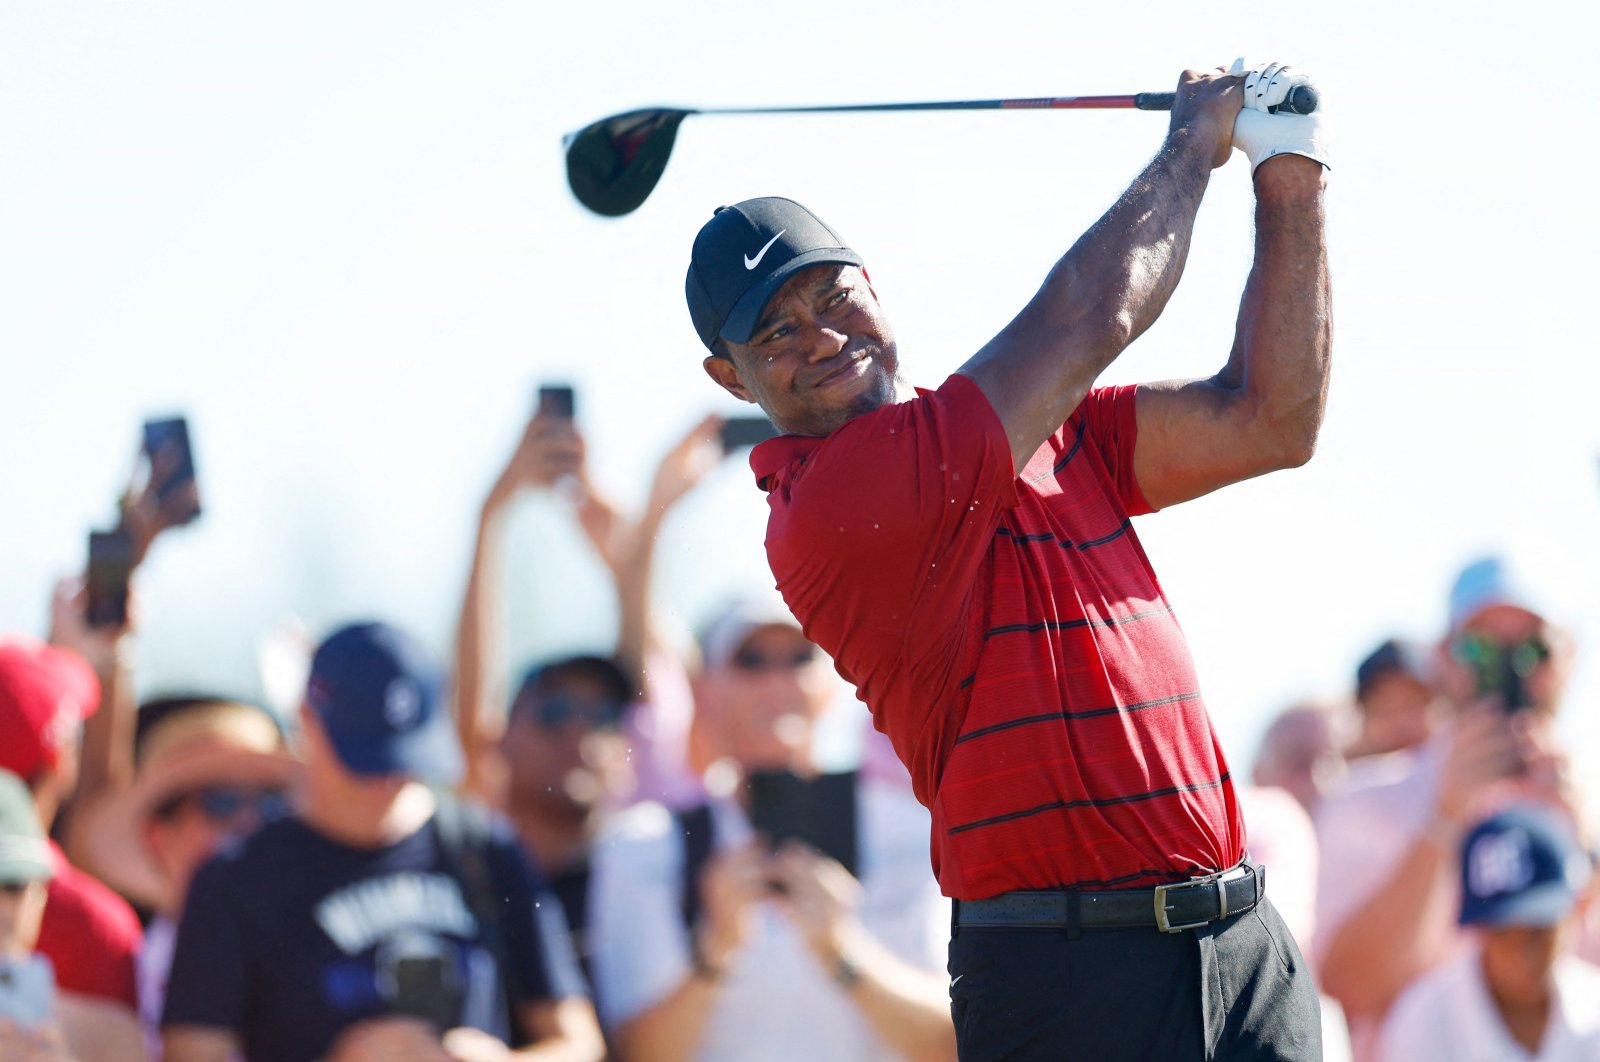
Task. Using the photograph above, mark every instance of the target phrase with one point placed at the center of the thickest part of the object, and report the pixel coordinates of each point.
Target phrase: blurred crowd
(638, 853)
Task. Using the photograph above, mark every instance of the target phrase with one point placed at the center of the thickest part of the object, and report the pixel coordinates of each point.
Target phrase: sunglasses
(223, 804)
(753, 661)
(554, 710)
(1523, 656)
(14, 888)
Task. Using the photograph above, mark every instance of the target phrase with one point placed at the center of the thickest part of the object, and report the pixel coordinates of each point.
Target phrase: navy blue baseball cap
(380, 698)
(1521, 867)
(743, 255)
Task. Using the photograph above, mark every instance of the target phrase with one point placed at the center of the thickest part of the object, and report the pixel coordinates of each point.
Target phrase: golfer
(966, 557)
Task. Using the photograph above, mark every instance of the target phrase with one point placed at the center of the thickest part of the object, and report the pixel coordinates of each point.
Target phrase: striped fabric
(1010, 637)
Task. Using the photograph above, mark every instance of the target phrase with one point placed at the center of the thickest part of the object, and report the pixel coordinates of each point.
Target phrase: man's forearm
(1281, 353)
(671, 1029)
(1102, 295)
(907, 1007)
(1392, 937)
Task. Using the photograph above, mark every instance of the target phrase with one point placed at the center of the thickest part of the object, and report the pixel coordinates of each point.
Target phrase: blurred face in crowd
(21, 909)
(1519, 964)
(1398, 711)
(767, 698)
(1542, 652)
(361, 796)
(563, 744)
(187, 828)
(822, 353)
(1301, 752)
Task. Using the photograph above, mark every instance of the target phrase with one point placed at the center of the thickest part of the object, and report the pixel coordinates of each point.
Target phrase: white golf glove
(1260, 134)
(1266, 85)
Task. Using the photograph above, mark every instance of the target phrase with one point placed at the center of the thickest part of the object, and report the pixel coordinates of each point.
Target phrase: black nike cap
(743, 255)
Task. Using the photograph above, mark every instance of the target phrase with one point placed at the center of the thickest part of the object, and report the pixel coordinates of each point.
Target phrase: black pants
(1234, 990)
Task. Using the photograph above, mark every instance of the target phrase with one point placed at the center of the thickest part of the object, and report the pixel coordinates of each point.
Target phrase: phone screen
(110, 566)
(558, 400)
(819, 811)
(166, 444)
(424, 988)
(739, 432)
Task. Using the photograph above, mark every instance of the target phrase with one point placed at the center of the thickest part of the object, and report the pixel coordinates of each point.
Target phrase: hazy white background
(338, 237)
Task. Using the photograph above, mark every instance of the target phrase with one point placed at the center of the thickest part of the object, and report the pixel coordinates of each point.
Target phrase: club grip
(1302, 99)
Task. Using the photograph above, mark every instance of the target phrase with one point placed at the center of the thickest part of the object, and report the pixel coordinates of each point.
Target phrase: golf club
(615, 163)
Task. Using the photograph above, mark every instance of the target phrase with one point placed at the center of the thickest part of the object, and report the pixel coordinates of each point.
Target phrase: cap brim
(24, 860)
(1540, 907)
(429, 753)
(741, 321)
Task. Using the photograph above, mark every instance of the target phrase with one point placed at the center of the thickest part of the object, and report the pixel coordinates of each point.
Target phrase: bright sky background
(338, 237)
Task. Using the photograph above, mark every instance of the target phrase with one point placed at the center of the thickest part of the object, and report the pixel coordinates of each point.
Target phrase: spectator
(89, 934)
(208, 772)
(761, 953)
(561, 757)
(1301, 751)
(1513, 995)
(376, 922)
(1388, 894)
(1396, 702)
(29, 1031)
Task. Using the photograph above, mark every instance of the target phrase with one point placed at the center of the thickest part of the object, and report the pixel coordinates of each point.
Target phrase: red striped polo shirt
(1010, 637)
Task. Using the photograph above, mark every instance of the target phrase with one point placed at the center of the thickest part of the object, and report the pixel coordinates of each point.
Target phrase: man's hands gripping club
(1261, 131)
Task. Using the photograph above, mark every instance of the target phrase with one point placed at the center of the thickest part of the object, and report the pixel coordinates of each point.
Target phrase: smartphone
(166, 445)
(424, 988)
(739, 432)
(819, 810)
(110, 567)
(27, 990)
(1501, 672)
(557, 400)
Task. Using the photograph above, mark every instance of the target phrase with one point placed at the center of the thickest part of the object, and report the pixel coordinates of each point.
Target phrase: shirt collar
(775, 455)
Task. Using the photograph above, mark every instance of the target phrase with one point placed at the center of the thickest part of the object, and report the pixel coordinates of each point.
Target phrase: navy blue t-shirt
(293, 937)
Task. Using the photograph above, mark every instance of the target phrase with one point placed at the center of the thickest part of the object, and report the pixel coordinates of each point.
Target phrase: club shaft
(1149, 101)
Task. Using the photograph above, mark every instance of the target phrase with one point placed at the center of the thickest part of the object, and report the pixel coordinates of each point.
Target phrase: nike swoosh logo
(751, 263)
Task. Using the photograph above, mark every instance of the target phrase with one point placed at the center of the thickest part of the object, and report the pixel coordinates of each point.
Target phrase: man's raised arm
(1115, 280)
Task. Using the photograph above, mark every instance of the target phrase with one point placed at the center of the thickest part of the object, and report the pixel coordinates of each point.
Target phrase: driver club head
(615, 163)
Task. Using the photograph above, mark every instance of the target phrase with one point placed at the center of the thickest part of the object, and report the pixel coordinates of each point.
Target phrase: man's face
(821, 354)
(1517, 631)
(563, 745)
(768, 696)
(1519, 964)
(189, 827)
(1398, 711)
(21, 909)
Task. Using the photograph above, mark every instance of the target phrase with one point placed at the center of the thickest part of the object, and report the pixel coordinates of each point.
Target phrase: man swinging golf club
(966, 557)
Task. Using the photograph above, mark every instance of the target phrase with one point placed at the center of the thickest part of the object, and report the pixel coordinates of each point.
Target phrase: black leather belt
(1169, 908)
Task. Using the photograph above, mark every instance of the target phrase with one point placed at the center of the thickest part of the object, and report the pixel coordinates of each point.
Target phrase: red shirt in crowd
(1010, 637)
(90, 935)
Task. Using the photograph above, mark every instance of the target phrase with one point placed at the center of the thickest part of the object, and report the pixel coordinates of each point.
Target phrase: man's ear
(726, 374)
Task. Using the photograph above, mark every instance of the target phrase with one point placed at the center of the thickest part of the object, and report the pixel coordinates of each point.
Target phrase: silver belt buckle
(1163, 920)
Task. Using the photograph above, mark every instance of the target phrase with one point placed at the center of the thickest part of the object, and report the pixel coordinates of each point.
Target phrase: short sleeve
(639, 946)
(210, 977)
(878, 536)
(544, 964)
(1110, 417)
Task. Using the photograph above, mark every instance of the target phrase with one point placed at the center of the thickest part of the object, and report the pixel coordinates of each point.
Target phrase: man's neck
(1526, 1021)
(360, 824)
(556, 840)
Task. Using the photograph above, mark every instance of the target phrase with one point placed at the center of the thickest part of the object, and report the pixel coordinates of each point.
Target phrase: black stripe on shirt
(1066, 459)
(1074, 624)
(1046, 536)
(1068, 805)
(1088, 713)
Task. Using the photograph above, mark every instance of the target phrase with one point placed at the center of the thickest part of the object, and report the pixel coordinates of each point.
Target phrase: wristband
(846, 974)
